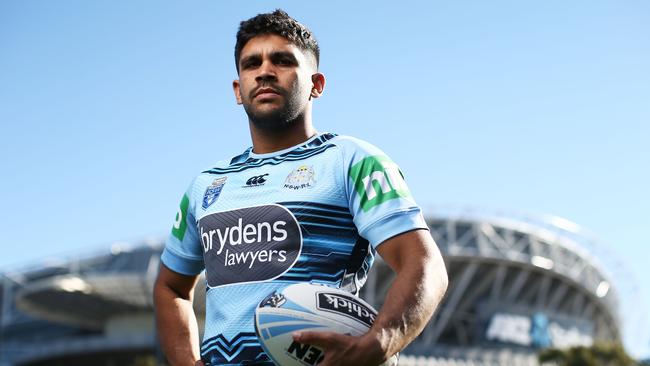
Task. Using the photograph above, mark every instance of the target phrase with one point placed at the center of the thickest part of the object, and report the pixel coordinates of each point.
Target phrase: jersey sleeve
(183, 251)
(379, 198)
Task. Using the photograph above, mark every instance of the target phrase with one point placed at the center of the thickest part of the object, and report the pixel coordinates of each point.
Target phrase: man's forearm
(409, 304)
(177, 327)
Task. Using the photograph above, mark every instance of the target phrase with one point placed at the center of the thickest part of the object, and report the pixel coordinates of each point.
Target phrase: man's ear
(237, 91)
(318, 85)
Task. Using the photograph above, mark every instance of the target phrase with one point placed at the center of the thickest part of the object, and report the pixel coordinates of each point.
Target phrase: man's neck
(265, 142)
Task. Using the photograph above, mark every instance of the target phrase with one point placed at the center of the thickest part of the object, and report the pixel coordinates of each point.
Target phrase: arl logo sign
(377, 179)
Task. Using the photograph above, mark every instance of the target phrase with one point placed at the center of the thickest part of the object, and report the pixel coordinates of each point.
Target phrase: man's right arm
(175, 320)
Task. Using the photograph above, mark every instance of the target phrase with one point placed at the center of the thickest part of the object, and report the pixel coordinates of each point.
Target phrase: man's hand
(420, 283)
(343, 349)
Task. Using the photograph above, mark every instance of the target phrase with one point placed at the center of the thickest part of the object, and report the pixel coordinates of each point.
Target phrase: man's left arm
(419, 285)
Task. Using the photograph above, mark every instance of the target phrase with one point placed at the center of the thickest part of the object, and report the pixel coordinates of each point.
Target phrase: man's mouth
(266, 92)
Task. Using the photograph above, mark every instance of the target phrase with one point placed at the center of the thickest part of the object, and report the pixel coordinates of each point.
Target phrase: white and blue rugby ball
(309, 307)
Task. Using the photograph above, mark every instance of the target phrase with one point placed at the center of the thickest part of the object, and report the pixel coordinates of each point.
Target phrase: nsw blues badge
(213, 192)
(301, 177)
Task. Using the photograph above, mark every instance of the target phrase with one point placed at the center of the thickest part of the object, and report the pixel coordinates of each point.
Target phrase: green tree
(600, 354)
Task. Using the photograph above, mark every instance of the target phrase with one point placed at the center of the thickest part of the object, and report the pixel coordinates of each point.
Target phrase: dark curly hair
(280, 23)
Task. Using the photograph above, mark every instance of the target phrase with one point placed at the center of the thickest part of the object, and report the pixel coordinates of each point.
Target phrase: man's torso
(265, 221)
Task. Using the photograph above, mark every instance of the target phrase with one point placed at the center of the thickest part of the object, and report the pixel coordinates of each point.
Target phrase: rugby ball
(309, 307)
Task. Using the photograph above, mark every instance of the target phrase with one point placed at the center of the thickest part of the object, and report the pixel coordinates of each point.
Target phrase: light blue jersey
(315, 212)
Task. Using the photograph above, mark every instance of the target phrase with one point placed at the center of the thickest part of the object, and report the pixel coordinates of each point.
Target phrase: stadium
(517, 285)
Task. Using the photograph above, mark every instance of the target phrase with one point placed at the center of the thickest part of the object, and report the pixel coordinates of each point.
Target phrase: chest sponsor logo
(256, 181)
(377, 180)
(302, 177)
(213, 191)
(346, 306)
(251, 244)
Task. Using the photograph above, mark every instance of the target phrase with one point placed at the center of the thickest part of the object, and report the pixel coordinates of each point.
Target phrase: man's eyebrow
(274, 55)
(250, 58)
(283, 54)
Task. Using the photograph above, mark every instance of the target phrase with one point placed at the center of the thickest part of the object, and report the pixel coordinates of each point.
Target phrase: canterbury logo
(257, 180)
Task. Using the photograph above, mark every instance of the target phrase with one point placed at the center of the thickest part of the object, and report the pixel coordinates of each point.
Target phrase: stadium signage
(251, 244)
(345, 305)
(535, 331)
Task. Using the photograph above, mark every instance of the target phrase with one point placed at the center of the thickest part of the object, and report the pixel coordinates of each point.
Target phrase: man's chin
(267, 110)
(274, 120)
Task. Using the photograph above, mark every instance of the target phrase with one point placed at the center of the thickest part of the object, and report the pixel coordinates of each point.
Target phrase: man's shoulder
(346, 139)
(211, 173)
(228, 163)
(352, 145)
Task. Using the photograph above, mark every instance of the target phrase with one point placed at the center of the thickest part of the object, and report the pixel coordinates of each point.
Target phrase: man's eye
(249, 64)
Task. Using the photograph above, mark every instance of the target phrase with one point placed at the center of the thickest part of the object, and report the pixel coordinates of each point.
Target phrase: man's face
(275, 81)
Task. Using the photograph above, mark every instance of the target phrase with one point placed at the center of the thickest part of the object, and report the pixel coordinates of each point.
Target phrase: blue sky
(108, 109)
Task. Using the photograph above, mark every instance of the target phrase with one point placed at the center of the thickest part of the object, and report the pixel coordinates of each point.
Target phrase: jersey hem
(394, 224)
(180, 264)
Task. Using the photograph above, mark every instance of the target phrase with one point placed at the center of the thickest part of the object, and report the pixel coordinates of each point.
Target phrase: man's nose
(267, 72)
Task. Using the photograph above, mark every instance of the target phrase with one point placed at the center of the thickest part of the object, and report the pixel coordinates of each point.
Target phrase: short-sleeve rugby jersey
(314, 212)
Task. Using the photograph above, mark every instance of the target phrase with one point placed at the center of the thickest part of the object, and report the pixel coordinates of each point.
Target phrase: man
(298, 206)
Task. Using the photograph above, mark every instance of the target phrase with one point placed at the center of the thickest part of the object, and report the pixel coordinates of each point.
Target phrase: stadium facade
(516, 286)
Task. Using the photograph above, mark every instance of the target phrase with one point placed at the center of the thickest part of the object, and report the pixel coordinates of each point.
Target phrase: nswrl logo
(213, 191)
(377, 179)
